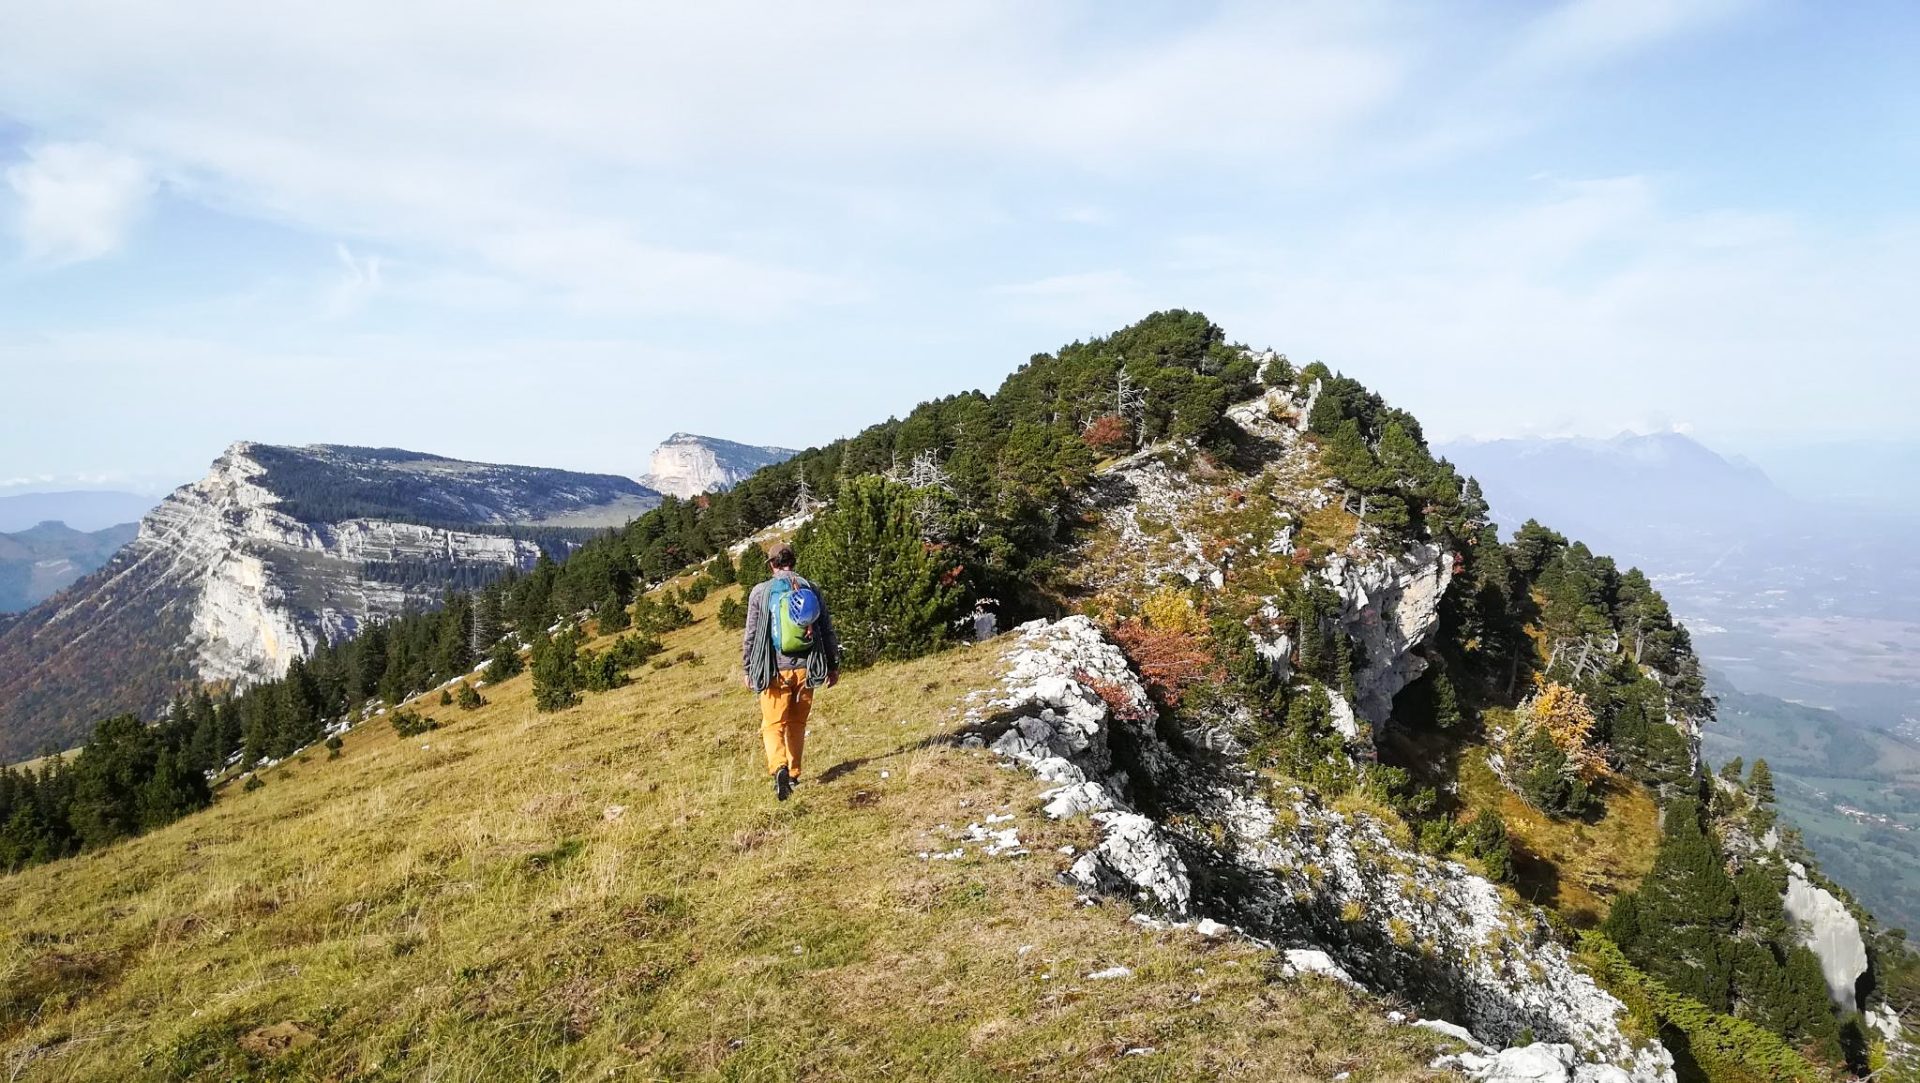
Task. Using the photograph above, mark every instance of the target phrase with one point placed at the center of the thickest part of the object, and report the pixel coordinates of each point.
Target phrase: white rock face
(225, 563)
(267, 588)
(1542, 1062)
(1832, 933)
(1389, 606)
(686, 465)
(1331, 887)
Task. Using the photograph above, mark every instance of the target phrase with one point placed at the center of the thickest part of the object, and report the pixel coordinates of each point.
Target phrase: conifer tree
(890, 595)
(753, 565)
(556, 672)
(503, 663)
(1687, 910)
(1760, 783)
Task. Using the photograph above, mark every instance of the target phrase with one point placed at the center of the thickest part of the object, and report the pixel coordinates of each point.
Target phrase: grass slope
(611, 892)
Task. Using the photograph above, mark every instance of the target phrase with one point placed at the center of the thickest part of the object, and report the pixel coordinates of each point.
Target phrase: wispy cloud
(358, 282)
(76, 201)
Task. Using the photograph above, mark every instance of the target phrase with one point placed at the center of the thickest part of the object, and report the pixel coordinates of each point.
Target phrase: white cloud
(484, 133)
(76, 201)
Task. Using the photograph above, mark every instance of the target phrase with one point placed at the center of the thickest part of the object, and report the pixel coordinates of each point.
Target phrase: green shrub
(697, 591)
(334, 745)
(612, 616)
(446, 697)
(658, 616)
(410, 723)
(733, 613)
(1485, 840)
(631, 650)
(253, 783)
(601, 672)
(468, 698)
(504, 663)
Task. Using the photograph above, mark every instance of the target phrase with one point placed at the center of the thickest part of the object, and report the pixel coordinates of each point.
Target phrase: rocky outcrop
(1831, 931)
(1283, 868)
(1389, 606)
(686, 465)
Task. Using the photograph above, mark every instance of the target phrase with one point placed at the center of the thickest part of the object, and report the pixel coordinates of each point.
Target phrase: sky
(553, 234)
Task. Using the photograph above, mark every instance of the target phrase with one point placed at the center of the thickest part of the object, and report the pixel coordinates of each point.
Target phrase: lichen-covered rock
(1831, 931)
(1303, 876)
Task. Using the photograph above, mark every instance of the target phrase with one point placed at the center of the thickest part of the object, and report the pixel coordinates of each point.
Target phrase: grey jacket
(758, 656)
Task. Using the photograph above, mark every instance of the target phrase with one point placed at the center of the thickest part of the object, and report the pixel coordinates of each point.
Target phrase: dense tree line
(1715, 929)
(129, 778)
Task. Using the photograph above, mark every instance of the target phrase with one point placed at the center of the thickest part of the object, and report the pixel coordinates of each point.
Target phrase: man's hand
(833, 677)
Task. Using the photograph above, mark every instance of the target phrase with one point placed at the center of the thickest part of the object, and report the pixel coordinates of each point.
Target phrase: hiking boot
(782, 784)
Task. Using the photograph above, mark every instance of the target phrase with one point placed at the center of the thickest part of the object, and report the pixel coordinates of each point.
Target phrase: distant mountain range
(1808, 601)
(275, 550)
(85, 510)
(38, 562)
(686, 465)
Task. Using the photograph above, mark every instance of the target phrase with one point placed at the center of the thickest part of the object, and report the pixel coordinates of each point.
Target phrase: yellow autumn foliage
(1564, 714)
(1170, 610)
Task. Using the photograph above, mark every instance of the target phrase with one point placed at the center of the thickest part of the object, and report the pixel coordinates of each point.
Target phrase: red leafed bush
(1115, 695)
(1109, 435)
(1169, 660)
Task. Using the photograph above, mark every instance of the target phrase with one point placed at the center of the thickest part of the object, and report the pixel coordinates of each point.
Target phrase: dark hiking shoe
(782, 784)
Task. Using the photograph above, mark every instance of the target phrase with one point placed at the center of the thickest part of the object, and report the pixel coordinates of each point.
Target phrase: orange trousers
(784, 707)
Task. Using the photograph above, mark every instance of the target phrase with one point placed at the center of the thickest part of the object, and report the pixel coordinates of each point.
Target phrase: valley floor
(611, 892)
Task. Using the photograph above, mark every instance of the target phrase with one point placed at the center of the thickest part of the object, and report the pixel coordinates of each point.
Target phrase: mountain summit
(686, 465)
(275, 551)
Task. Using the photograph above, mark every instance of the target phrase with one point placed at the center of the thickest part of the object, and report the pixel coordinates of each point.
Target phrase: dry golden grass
(1575, 867)
(468, 904)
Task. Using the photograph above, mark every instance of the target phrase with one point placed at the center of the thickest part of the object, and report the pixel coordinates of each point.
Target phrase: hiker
(789, 650)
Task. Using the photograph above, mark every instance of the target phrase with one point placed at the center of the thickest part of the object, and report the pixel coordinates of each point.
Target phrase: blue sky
(553, 234)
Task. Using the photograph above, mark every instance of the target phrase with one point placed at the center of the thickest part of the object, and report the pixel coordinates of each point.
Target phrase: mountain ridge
(42, 560)
(687, 465)
(1292, 629)
(225, 582)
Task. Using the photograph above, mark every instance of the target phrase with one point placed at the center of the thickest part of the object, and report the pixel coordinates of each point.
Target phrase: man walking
(788, 650)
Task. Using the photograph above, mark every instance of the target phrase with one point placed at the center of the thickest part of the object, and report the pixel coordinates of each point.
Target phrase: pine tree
(1760, 783)
(753, 565)
(486, 621)
(556, 672)
(1688, 910)
(503, 663)
(890, 596)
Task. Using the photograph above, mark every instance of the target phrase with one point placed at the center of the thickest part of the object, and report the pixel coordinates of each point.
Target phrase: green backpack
(791, 637)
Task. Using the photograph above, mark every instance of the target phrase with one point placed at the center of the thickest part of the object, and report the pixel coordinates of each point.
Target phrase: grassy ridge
(469, 904)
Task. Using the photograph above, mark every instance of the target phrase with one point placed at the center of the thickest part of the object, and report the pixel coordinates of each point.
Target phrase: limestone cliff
(686, 465)
(274, 551)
